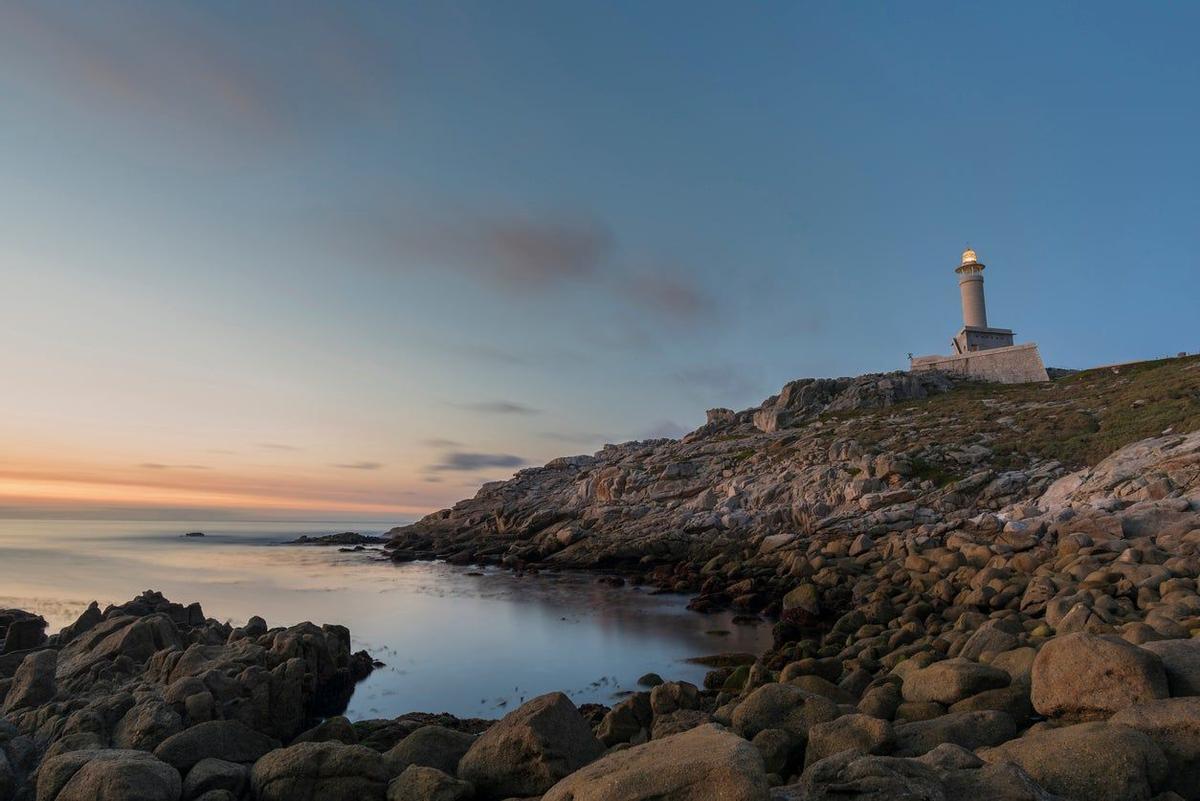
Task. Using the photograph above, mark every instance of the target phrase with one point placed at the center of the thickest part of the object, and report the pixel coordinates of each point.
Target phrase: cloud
(154, 63)
(360, 466)
(665, 429)
(277, 446)
(521, 253)
(161, 466)
(498, 407)
(439, 442)
(674, 295)
(464, 461)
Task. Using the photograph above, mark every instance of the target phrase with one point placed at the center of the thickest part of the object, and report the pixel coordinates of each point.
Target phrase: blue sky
(360, 257)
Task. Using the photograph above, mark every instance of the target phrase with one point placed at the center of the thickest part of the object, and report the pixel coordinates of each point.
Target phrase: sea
(473, 642)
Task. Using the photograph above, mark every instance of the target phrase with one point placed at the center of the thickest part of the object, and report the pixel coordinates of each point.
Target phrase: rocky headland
(977, 591)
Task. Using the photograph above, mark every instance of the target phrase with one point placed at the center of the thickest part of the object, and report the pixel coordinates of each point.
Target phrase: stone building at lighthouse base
(979, 350)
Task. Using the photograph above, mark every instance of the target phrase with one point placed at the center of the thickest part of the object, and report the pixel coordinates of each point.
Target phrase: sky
(350, 260)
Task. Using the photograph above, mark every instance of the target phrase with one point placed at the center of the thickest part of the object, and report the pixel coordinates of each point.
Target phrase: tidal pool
(466, 641)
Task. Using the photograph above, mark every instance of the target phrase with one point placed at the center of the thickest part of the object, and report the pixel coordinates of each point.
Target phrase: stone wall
(1017, 364)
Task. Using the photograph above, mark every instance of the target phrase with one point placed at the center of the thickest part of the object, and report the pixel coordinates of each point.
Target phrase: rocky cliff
(728, 510)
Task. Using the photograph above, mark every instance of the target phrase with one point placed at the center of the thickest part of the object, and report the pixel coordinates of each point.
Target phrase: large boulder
(1181, 660)
(1084, 676)
(146, 725)
(328, 771)
(420, 783)
(530, 749)
(951, 680)
(1096, 761)
(107, 775)
(33, 684)
(210, 775)
(862, 733)
(229, 740)
(781, 706)
(1174, 725)
(702, 764)
(429, 746)
(968, 730)
(946, 774)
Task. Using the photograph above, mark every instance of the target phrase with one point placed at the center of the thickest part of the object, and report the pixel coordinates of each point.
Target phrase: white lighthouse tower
(975, 334)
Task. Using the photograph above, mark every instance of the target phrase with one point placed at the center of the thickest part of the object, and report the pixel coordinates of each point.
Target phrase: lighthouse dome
(968, 257)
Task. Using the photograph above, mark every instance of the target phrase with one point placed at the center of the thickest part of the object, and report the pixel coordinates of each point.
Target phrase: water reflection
(452, 641)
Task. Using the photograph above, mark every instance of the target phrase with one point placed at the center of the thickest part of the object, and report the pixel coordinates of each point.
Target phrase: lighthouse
(975, 334)
(981, 351)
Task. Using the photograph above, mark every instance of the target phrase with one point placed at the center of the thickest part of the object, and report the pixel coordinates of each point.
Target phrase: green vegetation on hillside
(1078, 419)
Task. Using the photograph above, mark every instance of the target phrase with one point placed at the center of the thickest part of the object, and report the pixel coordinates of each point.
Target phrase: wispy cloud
(671, 294)
(522, 253)
(440, 442)
(145, 62)
(498, 407)
(360, 465)
(162, 466)
(464, 461)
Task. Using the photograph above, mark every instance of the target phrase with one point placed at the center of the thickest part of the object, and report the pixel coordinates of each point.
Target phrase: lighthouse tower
(981, 351)
(975, 334)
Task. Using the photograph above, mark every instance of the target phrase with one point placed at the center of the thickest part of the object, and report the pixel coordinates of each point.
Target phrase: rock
(429, 746)
(625, 720)
(1087, 677)
(951, 680)
(328, 771)
(34, 683)
(420, 783)
(1174, 726)
(146, 725)
(994, 636)
(703, 764)
(861, 733)
(1095, 761)
(969, 730)
(678, 721)
(25, 633)
(530, 749)
(650, 680)
(806, 598)
(781, 706)
(107, 775)
(210, 774)
(229, 740)
(780, 750)
(674, 695)
(1181, 660)
(336, 728)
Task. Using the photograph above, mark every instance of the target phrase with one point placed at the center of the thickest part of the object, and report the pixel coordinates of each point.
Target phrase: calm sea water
(452, 642)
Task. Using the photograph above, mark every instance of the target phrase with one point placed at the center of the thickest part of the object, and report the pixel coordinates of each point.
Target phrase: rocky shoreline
(958, 614)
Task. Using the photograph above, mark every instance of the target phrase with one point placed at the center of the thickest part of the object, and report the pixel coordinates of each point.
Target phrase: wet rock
(530, 749)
